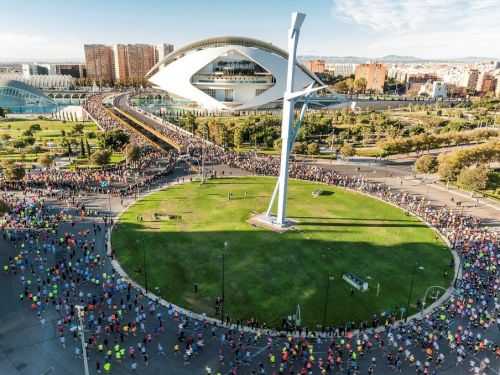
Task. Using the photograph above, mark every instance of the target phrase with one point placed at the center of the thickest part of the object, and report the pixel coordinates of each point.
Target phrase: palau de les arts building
(228, 73)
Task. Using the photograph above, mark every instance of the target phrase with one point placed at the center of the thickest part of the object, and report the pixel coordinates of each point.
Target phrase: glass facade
(17, 97)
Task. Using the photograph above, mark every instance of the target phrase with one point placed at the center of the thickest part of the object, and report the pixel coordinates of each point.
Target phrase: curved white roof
(174, 72)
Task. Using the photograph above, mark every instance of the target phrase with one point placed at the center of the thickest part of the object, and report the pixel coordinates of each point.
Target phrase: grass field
(267, 274)
(49, 138)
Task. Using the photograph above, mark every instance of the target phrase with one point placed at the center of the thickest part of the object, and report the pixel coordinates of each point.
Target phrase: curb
(271, 332)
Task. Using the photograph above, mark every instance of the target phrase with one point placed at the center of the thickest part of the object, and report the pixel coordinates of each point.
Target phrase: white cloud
(28, 46)
(428, 27)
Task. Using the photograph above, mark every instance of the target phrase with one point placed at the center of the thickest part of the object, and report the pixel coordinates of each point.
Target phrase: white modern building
(42, 81)
(228, 73)
(344, 70)
(434, 90)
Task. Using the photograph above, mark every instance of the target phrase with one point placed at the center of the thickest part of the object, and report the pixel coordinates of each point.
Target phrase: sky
(57, 29)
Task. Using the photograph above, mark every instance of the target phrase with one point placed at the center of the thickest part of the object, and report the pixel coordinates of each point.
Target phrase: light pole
(223, 271)
(412, 282)
(145, 267)
(325, 310)
(80, 313)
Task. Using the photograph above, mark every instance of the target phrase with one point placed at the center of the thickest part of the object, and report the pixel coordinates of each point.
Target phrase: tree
(312, 149)
(451, 164)
(4, 206)
(13, 171)
(114, 139)
(46, 160)
(82, 148)
(277, 144)
(360, 85)
(30, 141)
(132, 153)
(2, 112)
(35, 128)
(238, 136)
(299, 148)
(101, 157)
(27, 133)
(341, 87)
(474, 178)
(78, 128)
(18, 143)
(347, 150)
(87, 146)
(426, 164)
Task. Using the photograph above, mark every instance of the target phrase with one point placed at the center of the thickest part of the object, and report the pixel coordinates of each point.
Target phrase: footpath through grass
(183, 230)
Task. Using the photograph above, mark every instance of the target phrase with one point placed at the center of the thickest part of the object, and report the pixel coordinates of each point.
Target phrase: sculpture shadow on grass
(268, 274)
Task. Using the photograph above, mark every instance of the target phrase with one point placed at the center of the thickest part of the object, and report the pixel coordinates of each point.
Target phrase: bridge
(68, 96)
(144, 123)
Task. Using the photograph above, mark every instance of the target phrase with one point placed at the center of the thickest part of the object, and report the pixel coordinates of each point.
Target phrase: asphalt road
(29, 346)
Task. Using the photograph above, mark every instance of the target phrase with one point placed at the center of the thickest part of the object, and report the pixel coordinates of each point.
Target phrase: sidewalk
(487, 210)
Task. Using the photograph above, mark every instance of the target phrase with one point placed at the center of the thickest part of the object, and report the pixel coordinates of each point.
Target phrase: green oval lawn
(268, 274)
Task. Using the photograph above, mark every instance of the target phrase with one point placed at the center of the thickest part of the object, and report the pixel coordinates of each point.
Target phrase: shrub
(347, 150)
(13, 171)
(474, 178)
(426, 164)
(312, 149)
(35, 128)
(132, 153)
(299, 148)
(101, 157)
(46, 160)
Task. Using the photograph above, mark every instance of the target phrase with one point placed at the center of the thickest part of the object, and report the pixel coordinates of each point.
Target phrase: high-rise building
(162, 50)
(140, 59)
(486, 83)
(470, 79)
(123, 62)
(315, 66)
(374, 74)
(120, 62)
(99, 62)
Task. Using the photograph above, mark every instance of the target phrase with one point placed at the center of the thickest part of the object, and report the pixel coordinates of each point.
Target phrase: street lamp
(412, 282)
(144, 266)
(226, 245)
(80, 315)
(325, 310)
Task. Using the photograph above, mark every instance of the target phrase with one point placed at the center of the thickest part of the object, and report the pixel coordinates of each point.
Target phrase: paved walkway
(29, 346)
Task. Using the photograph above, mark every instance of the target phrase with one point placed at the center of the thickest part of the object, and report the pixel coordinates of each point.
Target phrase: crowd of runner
(61, 262)
(99, 113)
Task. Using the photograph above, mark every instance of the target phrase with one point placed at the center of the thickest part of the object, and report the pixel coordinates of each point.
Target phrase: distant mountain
(394, 59)
(399, 59)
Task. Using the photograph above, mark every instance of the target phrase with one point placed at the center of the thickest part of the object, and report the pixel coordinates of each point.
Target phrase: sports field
(183, 229)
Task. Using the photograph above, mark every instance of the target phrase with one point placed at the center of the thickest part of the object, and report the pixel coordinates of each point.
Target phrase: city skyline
(373, 28)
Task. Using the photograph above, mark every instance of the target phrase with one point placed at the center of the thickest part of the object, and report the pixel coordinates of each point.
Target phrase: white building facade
(228, 73)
